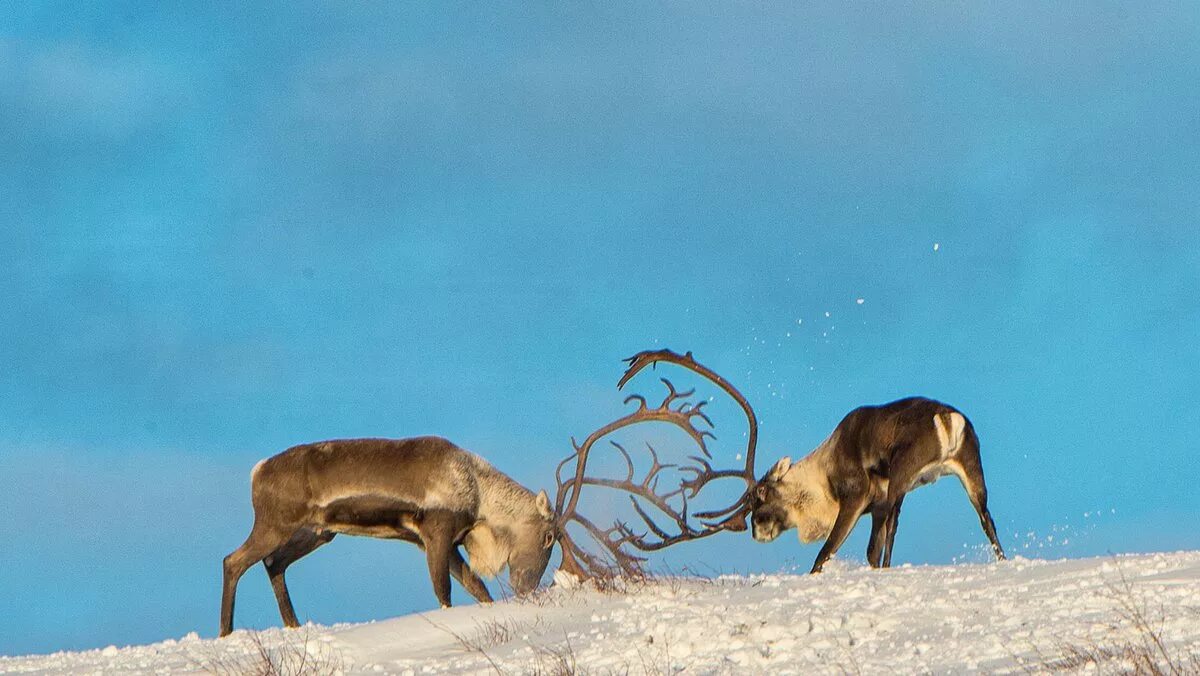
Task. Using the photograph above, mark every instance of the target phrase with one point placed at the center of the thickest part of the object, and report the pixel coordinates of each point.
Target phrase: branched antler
(677, 410)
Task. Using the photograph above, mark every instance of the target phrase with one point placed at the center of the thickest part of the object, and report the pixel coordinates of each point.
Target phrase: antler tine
(702, 477)
(646, 358)
(597, 567)
(654, 527)
(601, 537)
(558, 469)
(655, 468)
(638, 398)
(695, 412)
(623, 533)
(672, 395)
(737, 510)
(628, 461)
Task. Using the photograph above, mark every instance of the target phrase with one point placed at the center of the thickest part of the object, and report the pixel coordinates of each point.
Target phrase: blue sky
(225, 231)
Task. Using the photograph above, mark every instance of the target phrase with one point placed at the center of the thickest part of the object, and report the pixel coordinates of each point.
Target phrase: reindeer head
(769, 509)
(531, 547)
(522, 543)
(791, 496)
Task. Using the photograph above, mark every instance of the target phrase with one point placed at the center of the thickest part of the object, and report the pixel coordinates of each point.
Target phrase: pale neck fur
(502, 501)
(810, 475)
(820, 454)
(503, 505)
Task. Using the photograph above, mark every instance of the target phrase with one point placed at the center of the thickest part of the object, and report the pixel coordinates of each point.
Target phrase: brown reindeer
(873, 458)
(423, 490)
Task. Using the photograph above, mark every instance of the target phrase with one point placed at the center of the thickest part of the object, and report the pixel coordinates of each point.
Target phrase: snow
(993, 617)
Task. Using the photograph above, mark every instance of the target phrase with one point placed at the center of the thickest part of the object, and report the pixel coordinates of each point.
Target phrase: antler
(678, 411)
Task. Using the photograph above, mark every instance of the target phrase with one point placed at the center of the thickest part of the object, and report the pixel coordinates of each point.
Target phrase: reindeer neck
(821, 454)
(502, 501)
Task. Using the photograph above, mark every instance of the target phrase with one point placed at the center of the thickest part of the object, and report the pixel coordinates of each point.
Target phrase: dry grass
(556, 661)
(561, 659)
(473, 643)
(620, 583)
(498, 632)
(657, 660)
(299, 655)
(1147, 652)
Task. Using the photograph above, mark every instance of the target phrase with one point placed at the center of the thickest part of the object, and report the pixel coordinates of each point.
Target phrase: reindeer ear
(780, 468)
(543, 504)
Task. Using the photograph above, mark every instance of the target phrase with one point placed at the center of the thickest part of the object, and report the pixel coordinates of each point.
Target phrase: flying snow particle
(860, 301)
(936, 246)
(826, 314)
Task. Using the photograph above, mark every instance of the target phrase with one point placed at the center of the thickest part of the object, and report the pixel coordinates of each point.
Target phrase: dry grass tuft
(299, 655)
(1146, 653)
(556, 661)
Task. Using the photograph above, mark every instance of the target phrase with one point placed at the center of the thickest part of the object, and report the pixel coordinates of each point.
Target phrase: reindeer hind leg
(970, 473)
(261, 542)
(302, 543)
(908, 465)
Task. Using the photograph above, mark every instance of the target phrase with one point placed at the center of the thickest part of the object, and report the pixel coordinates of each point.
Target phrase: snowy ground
(1001, 617)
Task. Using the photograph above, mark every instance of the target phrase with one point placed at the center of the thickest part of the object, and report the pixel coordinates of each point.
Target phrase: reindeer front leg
(437, 535)
(849, 512)
(467, 577)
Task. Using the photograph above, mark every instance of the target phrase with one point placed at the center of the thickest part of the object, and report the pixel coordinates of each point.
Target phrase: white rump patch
(949, 432)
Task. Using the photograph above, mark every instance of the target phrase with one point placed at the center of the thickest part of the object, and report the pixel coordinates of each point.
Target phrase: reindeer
(423, 490)
(875, 456)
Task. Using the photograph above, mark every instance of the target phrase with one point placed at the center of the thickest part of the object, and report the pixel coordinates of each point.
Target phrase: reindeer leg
(907, 465)
(970, 473)
(892, 523)
(467, 577)
(848, 515)
(302, 543)
(437, 533)
(459, 569)
(262, 541)
(880, 518)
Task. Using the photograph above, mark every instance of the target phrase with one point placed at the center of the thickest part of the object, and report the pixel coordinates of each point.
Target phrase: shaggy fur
(423, 490)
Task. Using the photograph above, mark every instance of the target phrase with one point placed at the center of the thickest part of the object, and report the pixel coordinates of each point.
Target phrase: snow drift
(1011, 616)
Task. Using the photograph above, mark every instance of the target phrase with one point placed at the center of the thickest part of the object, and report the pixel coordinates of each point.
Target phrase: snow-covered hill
(1004, 617)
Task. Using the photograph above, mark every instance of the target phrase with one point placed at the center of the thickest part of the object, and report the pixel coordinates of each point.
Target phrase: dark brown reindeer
(873, 458)
(423, 490)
